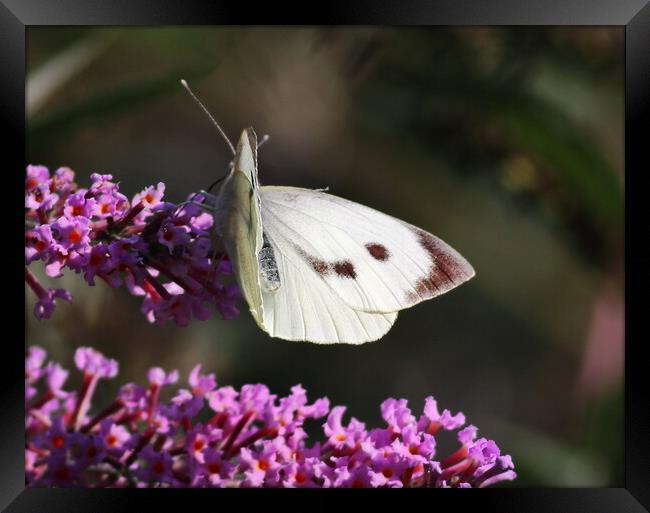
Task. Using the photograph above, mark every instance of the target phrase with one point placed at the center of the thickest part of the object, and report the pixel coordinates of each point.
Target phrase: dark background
(505, 142)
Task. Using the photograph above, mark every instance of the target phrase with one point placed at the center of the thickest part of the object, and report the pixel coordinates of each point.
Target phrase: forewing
(372, 261)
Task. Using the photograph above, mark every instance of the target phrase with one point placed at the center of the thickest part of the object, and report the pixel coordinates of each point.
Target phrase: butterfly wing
(299, 305)
(369, 260)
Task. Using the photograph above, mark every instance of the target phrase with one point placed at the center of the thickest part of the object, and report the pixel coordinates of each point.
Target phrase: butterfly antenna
(265, 138)
(214, 121)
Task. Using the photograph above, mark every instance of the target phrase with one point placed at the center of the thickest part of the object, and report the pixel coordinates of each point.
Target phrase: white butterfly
(315, 267)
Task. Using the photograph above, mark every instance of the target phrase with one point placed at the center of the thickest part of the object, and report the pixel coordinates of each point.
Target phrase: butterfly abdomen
(268, 266)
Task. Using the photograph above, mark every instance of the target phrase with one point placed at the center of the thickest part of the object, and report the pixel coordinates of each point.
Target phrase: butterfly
(319, 268)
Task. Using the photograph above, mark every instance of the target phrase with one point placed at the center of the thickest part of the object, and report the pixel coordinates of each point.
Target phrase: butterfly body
(319, 268)
(238, 221)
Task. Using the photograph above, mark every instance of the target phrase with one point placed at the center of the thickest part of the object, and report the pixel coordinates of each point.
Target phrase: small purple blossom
(159, 377)
(201, 383)
(160, 251)
(154, 466)
(209, 436)
(151, 195)
(91, 361)
(445, 420)
(55, 377)
(45, 304)
(115, 436)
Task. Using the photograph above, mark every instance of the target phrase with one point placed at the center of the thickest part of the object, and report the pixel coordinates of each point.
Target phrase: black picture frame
(634, 15)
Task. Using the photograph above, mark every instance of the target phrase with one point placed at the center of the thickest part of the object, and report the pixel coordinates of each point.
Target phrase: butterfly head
(246, 156)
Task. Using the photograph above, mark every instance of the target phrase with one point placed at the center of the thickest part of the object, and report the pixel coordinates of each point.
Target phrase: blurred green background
(505, 142)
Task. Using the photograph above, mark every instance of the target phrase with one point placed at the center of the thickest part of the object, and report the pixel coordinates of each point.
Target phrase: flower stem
(251, 439)
(128, 217)
(85, 394)
(243, 422)
(146, 437)
(171, 275)
(114, 407)
(33, 283)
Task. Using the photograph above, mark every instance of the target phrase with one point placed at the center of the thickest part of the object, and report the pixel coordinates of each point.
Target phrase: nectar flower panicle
(211, 436)
(158, 250)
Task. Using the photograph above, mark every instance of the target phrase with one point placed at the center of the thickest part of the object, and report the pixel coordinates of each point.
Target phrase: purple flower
(72, 233)
(63, 181)
(172, 235)
(224, 399)
(396, 414)
(261, 466)
(36, 176)
(160, 251)
(178, 306)
(45, 305)
(38, 193)
(246, 438)
(85, 450)
(34, 363)
(446, 420)
(358, 477)
(340, 436)
(300, 475)
(216, 471)
(225, 299)
(53, 439)
(150, 196)
(115, 436)
(467, 435)
(102, 182)
(93, 362)
(416, 445)
(99, 263)
(156, 467)
(38, 243)
(387, 470)
(202, 223)
(158, 377)
(201, 383)
(132, 396)
(109, 205)
(183, 406)
(79, 205)
(55, 377)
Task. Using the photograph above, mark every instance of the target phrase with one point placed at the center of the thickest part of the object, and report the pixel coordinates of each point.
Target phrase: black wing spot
(378, 251)
(345, 269)
(341, 268)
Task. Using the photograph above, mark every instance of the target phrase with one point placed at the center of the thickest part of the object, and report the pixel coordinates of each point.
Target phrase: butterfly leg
(207, 202)
(208, 195)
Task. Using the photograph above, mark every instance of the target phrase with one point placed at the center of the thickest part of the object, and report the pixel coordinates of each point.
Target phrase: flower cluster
(210, 436)
(158, 250)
